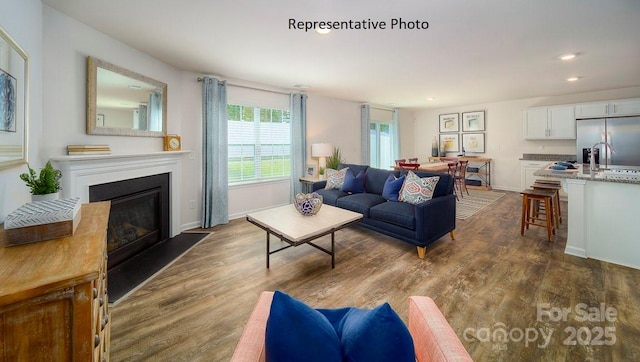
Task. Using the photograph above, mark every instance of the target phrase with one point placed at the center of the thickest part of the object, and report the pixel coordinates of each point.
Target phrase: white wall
(66, 45)
(504, 141)
(334, 121)
(22, 20)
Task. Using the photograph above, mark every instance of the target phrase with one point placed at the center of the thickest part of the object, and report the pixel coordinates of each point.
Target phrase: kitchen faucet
(592, 164)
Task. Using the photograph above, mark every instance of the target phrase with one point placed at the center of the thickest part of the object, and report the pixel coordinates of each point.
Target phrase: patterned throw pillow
(335, 179)
(416, 190)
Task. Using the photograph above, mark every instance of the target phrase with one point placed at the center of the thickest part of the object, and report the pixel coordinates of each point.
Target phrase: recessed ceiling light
(323, 31)
(431, 99)
(301, 86)
(573, 79)
(134, 86)
(568, 56)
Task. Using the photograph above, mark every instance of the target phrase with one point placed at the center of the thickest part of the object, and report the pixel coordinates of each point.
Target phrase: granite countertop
(583, 173)
(547, 157)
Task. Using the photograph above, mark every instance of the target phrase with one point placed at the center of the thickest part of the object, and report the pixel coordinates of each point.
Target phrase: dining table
(436, 167)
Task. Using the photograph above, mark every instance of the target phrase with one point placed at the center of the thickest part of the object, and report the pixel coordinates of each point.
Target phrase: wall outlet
(192, 204)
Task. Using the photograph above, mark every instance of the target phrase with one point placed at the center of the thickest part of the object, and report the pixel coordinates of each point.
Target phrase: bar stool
(550, 185)
(530, 217)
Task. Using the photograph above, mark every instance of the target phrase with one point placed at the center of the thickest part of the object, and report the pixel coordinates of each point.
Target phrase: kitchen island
(603, 212)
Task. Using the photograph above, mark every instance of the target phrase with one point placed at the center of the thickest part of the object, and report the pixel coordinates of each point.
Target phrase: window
(380, 145)
(259, 143)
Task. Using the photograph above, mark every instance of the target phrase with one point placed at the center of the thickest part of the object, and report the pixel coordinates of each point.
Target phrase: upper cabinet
(547, 123)
(619, 108)
(559, 122)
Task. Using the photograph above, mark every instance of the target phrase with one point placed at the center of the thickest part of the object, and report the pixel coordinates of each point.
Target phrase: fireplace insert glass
(139, 216)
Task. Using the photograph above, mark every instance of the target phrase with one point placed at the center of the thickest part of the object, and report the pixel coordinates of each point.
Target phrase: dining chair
(461, 177)
(453, 170)
(413, 160)
(402, 160)
(408, 166)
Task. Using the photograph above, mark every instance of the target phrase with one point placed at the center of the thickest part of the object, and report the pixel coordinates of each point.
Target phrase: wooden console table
(53, 295)
(483, 174)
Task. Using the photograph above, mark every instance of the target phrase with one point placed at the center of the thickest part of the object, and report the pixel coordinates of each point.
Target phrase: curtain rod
(382, 109)
(200, 79)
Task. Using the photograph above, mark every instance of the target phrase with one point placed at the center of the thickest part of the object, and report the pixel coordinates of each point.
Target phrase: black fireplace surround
(139, 216)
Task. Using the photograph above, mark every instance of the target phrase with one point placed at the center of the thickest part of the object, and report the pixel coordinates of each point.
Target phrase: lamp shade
(321, 150)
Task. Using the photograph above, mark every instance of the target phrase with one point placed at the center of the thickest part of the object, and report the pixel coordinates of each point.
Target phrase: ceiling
(472, 52)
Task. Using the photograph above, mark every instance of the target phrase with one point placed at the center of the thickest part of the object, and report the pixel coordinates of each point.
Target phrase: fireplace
(139, 216)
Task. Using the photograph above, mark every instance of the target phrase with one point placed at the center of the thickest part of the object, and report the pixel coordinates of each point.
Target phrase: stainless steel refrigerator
(623, 133)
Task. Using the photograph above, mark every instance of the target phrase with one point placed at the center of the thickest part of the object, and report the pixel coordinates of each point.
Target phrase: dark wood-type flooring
(487, 281)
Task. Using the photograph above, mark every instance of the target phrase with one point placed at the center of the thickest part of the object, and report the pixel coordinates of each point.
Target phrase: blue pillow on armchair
(354, 184)
(392, 187)
(297, 332)
(375, 335)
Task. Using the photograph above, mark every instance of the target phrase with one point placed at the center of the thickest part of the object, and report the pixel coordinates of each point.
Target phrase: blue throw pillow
(297, 332)
(392, 187)
(375, 335)
(354, 184)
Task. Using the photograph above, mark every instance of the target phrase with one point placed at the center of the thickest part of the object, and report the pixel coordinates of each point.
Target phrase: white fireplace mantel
(80, 172)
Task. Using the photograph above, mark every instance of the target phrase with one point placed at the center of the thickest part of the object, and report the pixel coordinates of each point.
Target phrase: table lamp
(321, 151)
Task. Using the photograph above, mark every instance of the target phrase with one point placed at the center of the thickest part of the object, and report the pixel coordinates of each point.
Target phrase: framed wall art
(450, 122)
(14, 95)
(473, 142)
(450, 142)
(473, 121)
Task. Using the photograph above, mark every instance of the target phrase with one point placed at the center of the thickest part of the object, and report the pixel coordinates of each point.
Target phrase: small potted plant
(335, 159)
(321, 173)
(45, 186)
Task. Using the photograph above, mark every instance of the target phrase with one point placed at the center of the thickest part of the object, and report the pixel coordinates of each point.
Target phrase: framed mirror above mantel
(121, 102)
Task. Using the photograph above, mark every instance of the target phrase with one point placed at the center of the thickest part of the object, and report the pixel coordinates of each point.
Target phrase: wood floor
(489, 280)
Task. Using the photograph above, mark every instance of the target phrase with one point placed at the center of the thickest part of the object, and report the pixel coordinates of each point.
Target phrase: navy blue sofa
(419, 225)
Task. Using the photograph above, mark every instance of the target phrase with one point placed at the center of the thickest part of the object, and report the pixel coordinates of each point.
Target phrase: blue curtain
(395, 136)
(365, 125)
(298, 140)
(215, 184)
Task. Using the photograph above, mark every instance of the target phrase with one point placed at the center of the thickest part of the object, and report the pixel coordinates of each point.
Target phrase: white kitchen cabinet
(527, 178)
(616, 108)
(592, 110)
(546, 123)
(630, 107)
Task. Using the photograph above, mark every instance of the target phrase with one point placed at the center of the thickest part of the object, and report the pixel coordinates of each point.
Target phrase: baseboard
(579, 252)
(191, 225)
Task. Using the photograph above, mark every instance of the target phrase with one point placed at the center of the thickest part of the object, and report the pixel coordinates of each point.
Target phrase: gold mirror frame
(92, 93)
(14, 105)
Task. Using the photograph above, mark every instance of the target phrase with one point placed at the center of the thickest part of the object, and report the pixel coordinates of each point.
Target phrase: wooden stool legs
(555, 186)
(531, 214)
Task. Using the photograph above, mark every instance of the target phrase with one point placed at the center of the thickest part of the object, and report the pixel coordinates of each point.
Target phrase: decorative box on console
(42, 220)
